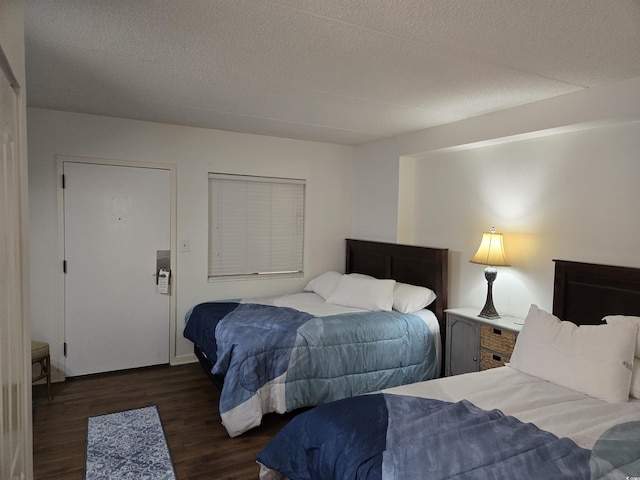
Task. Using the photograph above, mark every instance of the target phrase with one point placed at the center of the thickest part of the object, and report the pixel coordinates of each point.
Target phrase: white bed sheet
(315, 305)
(559, 410)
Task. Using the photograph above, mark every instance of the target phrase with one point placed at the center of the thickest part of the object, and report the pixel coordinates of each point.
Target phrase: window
(256, 225)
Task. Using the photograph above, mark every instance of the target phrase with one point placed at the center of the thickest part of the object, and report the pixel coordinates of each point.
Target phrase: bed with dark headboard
(584, 293)
(315, 346)
(422, 266)
(570, 398)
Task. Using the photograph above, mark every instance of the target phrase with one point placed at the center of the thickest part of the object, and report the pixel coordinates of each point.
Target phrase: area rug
(128, 445)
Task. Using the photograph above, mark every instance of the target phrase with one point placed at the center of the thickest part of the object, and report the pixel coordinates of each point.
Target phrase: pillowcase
(626, 319)
(411, 298)
(634, 390)
(593, 359)
(324, 284)
(366, 293)
(360, 275)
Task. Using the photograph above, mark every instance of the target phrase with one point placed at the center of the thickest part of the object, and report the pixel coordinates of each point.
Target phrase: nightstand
(475, 343)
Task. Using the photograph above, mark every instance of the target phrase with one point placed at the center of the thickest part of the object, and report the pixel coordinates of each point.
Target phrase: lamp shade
(491, 250)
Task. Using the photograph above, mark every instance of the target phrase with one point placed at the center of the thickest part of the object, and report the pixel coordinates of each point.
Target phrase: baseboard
(184, 359)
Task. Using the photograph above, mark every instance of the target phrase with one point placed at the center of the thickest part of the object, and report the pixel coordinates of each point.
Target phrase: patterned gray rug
(128, 445)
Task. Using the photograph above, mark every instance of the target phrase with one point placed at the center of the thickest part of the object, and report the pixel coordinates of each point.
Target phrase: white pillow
(324, 284)
(618, 319)
(360, 275)
(366, 293)
(593, 359)
(411, 298)
(634, 390)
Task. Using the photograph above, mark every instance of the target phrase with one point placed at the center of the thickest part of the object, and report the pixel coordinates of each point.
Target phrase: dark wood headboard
(584, 293)
(423, 266)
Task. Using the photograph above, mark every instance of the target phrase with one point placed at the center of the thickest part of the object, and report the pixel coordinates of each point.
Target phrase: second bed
(377, 326)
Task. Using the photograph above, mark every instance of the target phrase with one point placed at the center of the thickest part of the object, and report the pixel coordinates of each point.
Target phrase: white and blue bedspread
(280, 359)
(387, 436)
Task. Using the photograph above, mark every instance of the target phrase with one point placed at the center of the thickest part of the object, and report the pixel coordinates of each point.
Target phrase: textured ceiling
(339, 71)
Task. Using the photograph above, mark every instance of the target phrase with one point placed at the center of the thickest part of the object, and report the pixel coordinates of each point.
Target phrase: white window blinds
(256, 225)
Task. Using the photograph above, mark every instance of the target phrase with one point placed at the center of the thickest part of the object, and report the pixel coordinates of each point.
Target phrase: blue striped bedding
(388, 436)
(280, 359)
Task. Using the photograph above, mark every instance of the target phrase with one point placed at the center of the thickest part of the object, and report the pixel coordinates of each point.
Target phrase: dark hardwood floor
(188, 404)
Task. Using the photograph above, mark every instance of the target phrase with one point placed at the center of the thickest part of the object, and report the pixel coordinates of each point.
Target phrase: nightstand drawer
(492, 360)
(497, 339)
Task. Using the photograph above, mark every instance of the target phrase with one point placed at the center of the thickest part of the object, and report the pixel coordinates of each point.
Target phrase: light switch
(184, 245)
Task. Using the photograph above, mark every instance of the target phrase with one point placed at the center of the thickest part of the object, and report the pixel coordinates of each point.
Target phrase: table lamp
(491, 253)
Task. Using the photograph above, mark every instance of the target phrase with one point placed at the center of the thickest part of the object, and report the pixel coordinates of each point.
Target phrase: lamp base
(490, 315)
(489, 311)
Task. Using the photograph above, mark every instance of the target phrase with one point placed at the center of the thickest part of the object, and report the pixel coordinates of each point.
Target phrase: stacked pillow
(324, 284)
(634, 390)
(411, 298)
(365, 293)
(369, 293)
(593, 359)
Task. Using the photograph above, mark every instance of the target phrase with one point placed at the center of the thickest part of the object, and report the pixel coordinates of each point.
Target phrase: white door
(116, 218)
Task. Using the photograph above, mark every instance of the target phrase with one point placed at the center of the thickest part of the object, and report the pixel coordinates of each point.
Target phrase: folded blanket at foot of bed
(386, 436)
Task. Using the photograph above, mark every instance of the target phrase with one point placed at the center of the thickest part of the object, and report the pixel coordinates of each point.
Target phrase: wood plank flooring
(188, 404)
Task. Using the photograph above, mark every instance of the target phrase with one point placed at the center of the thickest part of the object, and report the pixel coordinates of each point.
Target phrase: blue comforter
(280, 359)
(386, 436)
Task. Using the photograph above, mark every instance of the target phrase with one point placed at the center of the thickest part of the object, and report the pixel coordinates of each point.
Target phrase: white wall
(572, 197)
(327, 169)
(559, 178)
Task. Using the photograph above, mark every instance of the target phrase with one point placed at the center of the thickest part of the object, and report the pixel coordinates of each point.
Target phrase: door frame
(20, 361)
(60, 160)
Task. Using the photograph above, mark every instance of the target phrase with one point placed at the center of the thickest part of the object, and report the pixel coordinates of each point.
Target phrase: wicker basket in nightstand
(491, 360)
(496, 345)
